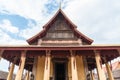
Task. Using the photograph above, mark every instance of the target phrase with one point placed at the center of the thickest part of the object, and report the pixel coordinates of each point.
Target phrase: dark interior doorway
(60, 71)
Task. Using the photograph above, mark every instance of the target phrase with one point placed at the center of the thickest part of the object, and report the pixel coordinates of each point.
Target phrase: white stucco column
(80, 67)
(39, 75)
(73, 66)
(47, 66)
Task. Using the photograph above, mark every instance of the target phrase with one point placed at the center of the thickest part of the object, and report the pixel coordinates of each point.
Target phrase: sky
(22, 19)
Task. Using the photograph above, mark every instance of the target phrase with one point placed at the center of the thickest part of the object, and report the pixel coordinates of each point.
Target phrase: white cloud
(29, 9)
(5, 29)
(6, 39)
(33, 9)
(99, 19)
(30, 31)
(7, 26)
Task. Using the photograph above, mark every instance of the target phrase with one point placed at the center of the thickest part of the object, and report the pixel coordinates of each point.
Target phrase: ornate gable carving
(59, 30)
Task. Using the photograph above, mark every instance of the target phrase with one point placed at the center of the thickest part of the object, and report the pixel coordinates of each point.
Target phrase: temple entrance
(60, 68)
(60, 71)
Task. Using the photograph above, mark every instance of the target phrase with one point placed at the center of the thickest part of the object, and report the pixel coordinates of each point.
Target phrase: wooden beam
(10, 74)
(47, 66)
(21, 66)
(101, 74)
(73, 66)
(1, 52)
(36, 48)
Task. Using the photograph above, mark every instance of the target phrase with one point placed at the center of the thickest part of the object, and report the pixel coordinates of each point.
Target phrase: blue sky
(21, 19)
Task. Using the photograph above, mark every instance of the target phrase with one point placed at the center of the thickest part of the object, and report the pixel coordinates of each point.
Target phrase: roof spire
(60, 4)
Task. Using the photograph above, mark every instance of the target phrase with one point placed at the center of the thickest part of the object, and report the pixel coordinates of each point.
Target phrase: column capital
(96, 51)
(1, 52)
(105, 59)
(23, 53)
(14, 60)
(48, 52)
(118, 51)
(72, 53)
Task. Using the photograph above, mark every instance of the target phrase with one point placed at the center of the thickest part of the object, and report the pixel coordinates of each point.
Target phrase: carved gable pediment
(60, 29)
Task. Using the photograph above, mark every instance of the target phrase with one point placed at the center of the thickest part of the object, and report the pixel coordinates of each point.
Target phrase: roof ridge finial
(60, 4)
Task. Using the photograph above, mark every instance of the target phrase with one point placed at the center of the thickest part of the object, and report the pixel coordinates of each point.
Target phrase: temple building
(60, 52)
